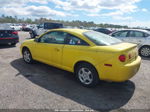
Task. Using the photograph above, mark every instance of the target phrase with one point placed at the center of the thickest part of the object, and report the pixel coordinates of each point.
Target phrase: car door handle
(56, 49)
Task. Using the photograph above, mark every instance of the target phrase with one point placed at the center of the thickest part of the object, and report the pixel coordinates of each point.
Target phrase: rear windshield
(101, 39)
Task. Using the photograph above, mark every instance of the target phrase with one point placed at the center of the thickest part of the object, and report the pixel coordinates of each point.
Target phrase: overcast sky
(124, 12)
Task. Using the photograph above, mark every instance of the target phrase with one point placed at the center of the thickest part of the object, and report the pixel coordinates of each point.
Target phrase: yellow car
(88, 54)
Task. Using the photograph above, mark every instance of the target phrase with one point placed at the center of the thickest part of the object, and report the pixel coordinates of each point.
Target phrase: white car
(16, 27)
(137, 36)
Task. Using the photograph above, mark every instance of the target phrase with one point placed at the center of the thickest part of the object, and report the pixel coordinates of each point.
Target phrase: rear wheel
(87, 75)
(144, 51)
(27, 57)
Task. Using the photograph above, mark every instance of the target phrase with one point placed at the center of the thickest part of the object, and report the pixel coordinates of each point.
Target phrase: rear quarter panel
(74, 54)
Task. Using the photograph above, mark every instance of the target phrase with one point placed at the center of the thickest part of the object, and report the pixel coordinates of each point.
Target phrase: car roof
(141, 30)
(101, 28)
(75, 32)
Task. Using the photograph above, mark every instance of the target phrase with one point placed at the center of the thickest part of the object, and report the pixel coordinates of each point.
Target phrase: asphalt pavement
(39, 86)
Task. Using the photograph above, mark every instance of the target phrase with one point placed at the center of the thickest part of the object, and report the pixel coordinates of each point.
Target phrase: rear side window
(120, 34)
(136, 34)
(73, 40)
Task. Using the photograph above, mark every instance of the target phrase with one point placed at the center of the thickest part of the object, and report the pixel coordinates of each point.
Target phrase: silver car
(137, 36)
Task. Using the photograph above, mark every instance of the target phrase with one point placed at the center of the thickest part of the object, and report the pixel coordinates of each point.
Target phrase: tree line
(74, 23)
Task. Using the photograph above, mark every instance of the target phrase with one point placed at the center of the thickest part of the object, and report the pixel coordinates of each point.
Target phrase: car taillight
(15, 33)
(122, 58)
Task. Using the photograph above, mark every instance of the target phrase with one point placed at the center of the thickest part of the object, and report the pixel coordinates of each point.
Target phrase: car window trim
(77, 38)
(65, 37)
(51, 32)
(121, 32)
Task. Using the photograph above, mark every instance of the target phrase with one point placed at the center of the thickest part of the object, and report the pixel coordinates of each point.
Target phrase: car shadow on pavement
(6, 46)
(106, 96)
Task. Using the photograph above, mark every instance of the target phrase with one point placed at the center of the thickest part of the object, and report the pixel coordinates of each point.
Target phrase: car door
(122, 35)
(43, 49)
(137, 37)
(49, 49)
(73, 50)
(57, 47)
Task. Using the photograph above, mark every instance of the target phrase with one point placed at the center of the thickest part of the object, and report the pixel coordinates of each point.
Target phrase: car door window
(136, 34)
(146, 35)
(53, 37)
(73, 40)
(120, 34)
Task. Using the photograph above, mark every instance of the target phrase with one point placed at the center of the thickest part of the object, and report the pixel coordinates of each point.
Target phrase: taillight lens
(122, 58)
(15, 33)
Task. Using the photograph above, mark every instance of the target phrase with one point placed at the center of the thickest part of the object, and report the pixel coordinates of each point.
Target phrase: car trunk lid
(123, 50)
(128, 50)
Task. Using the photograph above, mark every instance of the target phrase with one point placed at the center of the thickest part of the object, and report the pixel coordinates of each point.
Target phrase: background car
(89, 54)
(103, 30)
(147, 29)
(43, 27)
(27, 27)
(8, 35)
(137, 36)
(16, 27)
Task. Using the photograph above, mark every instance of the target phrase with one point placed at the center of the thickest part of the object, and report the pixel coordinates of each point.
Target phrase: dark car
(44, 27)
(103, 30)
(9, 37)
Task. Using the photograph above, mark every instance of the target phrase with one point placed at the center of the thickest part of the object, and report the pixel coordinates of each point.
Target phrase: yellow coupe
(88, 54)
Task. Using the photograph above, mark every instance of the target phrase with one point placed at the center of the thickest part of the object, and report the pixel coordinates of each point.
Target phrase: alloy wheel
(145, 51)
(85, 76)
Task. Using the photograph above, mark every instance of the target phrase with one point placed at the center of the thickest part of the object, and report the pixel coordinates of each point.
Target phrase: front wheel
(27, 57)
(144, 51)
(87, 75)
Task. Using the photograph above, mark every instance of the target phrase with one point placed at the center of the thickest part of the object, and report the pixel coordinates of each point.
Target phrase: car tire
(27, 57)
(144, 51)
(87, 75)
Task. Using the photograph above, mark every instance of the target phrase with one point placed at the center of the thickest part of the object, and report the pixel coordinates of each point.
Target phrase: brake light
(15, 33)
(122, 58)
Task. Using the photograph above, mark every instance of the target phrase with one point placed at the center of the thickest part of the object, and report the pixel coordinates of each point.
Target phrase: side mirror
(36, 39)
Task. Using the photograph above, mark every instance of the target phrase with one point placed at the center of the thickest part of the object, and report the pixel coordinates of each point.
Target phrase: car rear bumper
(120, 73)
(9, 40)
